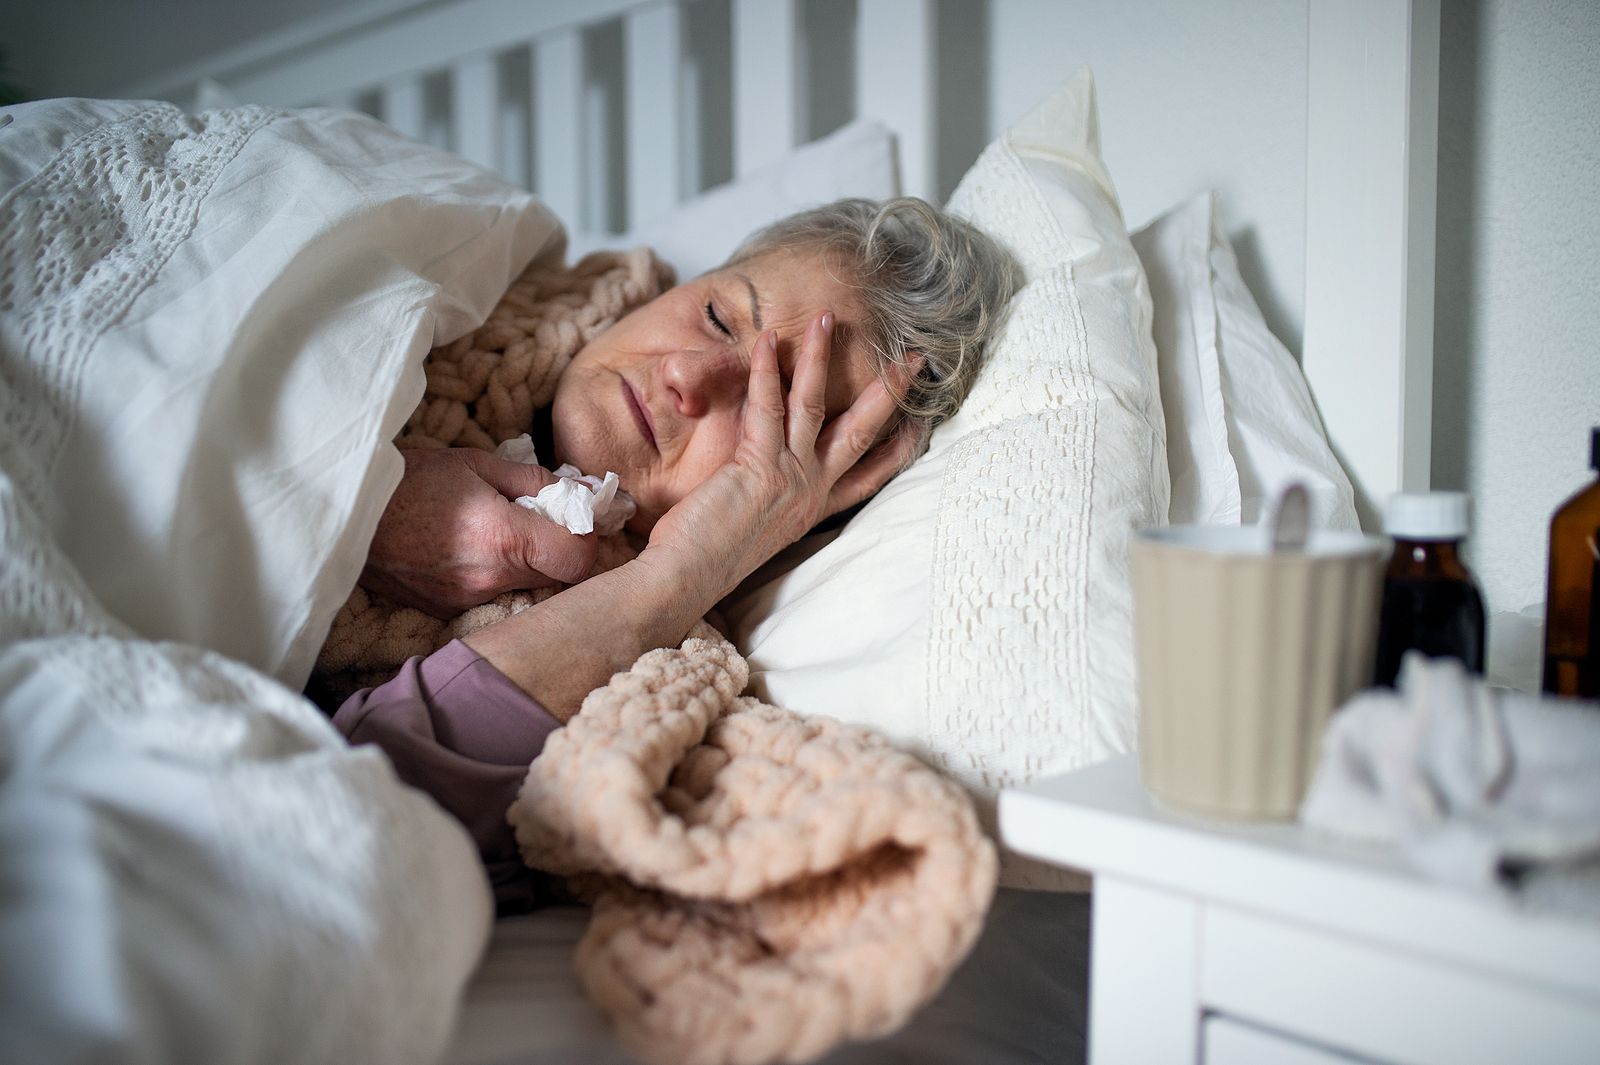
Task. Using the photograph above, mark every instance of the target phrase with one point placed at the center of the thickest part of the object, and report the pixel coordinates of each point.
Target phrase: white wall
(1218, 82)
(1517, 320)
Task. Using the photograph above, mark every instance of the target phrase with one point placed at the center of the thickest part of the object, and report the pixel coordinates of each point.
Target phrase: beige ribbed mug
(1242, 655)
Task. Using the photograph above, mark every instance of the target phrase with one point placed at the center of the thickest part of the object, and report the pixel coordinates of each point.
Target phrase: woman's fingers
(854, 432)
(851, 455)
(510, 479)
(763, 410)
(872, 472)
(808, 393)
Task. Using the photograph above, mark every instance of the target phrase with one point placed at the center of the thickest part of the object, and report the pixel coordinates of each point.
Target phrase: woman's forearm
(570, 644)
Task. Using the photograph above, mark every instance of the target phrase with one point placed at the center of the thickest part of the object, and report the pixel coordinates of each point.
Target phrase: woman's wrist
(686, 575)
(562, 648)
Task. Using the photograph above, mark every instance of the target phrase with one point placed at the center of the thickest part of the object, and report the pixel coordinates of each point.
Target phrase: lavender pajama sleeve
(457, 728)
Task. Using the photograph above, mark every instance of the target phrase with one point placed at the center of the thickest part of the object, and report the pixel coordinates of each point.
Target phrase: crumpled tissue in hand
(579, 502)
(1483, 787)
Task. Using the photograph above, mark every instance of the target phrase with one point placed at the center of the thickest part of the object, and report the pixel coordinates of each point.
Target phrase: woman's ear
(901, 376)
(908, 441)
(905, 438)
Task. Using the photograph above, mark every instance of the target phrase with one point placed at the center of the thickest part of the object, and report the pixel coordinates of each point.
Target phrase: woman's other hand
(451, 538)
(790, 470)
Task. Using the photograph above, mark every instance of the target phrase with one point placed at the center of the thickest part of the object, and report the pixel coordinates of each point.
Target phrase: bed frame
(599, 86)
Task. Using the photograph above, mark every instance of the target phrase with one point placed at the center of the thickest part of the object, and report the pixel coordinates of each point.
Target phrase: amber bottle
(1431, 602)
(1572, 599)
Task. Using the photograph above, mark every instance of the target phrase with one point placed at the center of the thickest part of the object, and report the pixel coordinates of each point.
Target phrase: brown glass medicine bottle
(1431, 601)
(1572, 600)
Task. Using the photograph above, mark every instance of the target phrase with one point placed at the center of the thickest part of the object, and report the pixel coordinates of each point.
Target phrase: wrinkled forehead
(794, 285)
(790, 287)
(804, 274)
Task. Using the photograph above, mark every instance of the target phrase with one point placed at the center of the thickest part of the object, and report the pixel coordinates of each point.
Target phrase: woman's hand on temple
(451, 538)
(789, 471)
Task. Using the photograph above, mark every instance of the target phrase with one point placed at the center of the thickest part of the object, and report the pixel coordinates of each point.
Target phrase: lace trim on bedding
(1008, 643)
(82, 239)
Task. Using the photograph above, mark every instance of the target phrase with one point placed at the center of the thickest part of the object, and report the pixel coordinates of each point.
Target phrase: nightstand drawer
(1229, 1042)
(1383, 1002)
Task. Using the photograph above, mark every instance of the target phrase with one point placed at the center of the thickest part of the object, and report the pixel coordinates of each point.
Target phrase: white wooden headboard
(630, 106)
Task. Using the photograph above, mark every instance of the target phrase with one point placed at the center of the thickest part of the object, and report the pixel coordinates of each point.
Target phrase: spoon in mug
(1291, 518)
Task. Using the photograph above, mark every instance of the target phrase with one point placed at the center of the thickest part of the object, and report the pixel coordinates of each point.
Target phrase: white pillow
(1240, 420)
(978, 609)
(856, 160)
(1205, 481)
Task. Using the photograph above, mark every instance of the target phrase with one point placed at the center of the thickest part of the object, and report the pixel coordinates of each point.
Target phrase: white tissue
(518, 449)
(1479, 786)
(580, 502)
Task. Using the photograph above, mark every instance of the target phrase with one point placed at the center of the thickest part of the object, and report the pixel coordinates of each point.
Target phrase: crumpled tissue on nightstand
(580, 502)
(1484, 787)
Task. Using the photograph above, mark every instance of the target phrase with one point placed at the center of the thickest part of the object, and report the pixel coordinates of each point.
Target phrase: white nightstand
(1224, 943)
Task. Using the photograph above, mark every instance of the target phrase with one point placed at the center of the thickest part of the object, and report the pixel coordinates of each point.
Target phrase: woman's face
(659, 396)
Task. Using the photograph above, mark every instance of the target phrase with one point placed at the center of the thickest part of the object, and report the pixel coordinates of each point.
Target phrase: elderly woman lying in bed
(739, 409)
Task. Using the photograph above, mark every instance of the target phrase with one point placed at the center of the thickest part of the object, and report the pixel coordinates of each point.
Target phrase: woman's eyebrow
(755, 303)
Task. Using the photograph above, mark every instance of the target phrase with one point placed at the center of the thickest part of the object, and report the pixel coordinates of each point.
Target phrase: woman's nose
(705, 380)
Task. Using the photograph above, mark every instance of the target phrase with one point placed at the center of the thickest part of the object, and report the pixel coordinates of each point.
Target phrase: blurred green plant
(10, 91)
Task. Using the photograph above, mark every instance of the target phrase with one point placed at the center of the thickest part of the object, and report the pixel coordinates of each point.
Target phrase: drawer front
(1381, 1003)
(1226, 1041)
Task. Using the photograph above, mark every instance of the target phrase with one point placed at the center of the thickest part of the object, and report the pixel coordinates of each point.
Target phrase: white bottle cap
(1428, 515)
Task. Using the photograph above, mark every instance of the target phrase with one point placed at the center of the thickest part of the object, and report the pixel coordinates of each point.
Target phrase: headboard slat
(558, 132)
(896, 86)
(401, 103)
(654, 49)
(765, 101)
(474, 105)
(1372, 135)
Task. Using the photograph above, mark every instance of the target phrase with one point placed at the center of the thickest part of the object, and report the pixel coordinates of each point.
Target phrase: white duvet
(209, 329)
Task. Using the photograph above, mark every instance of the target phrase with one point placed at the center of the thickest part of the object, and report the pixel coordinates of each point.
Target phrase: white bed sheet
(1020, 997)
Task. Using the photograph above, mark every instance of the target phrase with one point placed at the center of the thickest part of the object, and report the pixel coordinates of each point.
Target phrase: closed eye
(711, 316)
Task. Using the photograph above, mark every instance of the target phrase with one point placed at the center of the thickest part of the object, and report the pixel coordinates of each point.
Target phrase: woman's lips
(640, 412)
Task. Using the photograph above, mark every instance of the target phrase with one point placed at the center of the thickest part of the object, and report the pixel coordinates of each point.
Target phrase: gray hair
(931, 285)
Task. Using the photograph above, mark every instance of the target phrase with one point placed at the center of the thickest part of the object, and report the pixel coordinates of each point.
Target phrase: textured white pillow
(856, 160)
(1240, 420)
(978, 609)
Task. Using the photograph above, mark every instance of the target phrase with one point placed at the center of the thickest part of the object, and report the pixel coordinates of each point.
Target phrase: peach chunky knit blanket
(764, 885)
